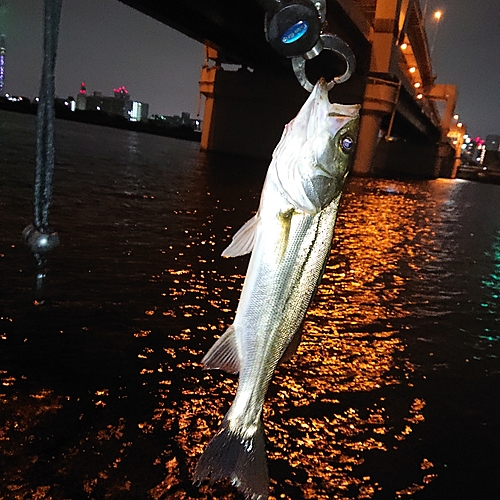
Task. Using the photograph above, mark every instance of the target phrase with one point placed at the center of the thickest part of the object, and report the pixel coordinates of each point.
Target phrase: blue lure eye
(292, 34)
(347, 144)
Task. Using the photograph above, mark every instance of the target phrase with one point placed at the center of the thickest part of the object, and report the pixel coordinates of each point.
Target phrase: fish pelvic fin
(223, 355)
(243, 240)
(241, 460)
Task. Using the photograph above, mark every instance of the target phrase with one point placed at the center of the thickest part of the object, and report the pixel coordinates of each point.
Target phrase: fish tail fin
(240, 459)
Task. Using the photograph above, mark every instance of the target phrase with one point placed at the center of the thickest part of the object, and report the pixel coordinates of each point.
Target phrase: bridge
(401, 130)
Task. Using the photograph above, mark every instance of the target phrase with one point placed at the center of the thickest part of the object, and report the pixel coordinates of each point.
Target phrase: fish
(290, 240)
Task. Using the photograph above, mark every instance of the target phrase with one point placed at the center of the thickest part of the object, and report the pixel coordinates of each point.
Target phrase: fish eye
(347, 144)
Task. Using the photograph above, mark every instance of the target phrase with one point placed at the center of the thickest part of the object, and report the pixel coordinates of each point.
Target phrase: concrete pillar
(381, 94)
(380, 99)
(245, 112)
(206, 86)
(369, 128)
(445, 167)
(385, 30)
(448, 93)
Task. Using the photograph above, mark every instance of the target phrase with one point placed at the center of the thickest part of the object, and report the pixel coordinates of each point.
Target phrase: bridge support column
(380, 99)
(369, 128)
(245, 112)
(449, 158)
(381, 94)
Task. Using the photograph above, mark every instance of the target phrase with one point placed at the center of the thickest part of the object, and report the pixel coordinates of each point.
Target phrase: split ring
(328, 42)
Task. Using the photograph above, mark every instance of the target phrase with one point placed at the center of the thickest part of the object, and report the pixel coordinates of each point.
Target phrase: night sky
(107, 44)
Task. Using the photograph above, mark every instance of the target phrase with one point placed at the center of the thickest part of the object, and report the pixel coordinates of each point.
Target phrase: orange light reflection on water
(319, 435)
(341, 352)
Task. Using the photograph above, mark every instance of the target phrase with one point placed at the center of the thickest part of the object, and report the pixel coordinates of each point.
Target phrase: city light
(120, 90)
(438, 14)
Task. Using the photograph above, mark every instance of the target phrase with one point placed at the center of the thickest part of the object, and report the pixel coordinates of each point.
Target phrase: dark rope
(39, 237)
(46, 114)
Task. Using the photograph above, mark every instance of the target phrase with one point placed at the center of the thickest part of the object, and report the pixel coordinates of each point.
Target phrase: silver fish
(290, 238)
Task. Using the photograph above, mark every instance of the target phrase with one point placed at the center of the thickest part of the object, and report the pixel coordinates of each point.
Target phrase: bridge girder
(375, 30)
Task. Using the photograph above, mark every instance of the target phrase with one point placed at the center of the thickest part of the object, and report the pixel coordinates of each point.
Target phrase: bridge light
(412, 69)
(459, 124)
(437, 15)
(419, 96)
(417, 85)
(456, 117)
(404, 46)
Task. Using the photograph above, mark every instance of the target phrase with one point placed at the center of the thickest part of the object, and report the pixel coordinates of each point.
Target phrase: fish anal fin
(241, 460)
(243, 240)
(223, 355)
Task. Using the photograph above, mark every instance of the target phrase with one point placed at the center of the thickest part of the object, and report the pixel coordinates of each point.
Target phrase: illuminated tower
(3, 11)
(2, 62)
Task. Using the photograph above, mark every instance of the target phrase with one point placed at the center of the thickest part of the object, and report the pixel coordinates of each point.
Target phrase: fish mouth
(337, 110)
(322, 83)
(321, 89)
(344, 110)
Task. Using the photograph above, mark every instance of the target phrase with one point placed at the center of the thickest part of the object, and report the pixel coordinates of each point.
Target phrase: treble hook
(331, 42)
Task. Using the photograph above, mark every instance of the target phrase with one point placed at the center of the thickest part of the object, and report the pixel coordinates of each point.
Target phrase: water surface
(394, 391)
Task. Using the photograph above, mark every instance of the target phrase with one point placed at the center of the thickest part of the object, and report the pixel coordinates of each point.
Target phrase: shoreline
(103, 119)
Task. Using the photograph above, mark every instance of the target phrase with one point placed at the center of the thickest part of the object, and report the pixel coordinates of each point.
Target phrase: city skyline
(107, 44)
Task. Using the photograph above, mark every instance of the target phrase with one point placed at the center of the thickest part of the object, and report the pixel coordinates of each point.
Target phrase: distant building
(81, 98)
(492, 152)
(139, 111)
(178, 121)
(120, 104)
(492, 143)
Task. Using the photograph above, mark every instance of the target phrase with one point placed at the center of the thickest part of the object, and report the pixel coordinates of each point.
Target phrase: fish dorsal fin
(223, 355)
(243, 240)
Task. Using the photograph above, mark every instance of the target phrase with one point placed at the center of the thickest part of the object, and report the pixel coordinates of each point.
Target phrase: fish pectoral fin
(223, 355)
(244, 239)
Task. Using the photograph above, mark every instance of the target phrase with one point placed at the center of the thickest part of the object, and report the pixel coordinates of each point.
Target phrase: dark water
(394, 393)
